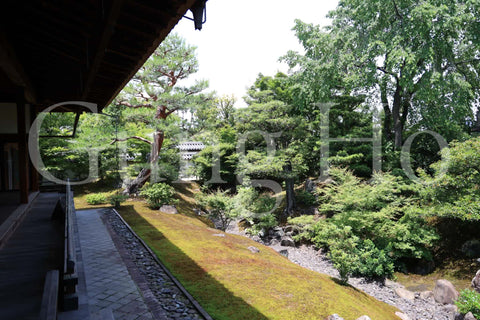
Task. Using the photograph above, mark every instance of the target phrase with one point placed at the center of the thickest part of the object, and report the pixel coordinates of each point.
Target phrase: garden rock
(283, 252)
(451, 310)
(256, 239)
(476, 282)
(287, 242)
(445, 292)
(253, 249)
(168, 209)
(471, 248)
(290, 230)
(405, 294)
(278, 233)
(334, 317)
(426, 295)
(402, 315)
(392, 284)
(364, 318)
(469, 316)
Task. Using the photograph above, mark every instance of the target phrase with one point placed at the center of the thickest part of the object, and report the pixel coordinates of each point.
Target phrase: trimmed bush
(158, 194)
(116, 199)
(96, 198)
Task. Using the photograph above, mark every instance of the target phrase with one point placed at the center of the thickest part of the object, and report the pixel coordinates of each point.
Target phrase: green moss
(227, 279)
(230, 282)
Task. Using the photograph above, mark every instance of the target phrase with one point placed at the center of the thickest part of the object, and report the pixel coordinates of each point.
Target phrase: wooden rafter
(12, 67)
(161, 34)
(105, 37)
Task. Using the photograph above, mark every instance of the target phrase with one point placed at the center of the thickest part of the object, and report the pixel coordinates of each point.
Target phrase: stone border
(8, 227)
(192, 300)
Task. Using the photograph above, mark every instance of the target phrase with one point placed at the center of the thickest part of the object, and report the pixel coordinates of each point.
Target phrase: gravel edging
(164, 295)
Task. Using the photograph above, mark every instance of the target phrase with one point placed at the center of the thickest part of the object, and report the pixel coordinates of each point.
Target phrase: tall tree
(414, 58)
(157, 93)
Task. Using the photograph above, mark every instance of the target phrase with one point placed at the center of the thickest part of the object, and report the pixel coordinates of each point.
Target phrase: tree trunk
(397, 119)
(387, 122)
(145, 173)
(289, 186)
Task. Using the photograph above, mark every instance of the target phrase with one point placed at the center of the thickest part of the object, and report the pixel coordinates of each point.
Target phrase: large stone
(402, 315)
(168, 209)
(476, 282)
(405, 294)
(364, 318)
(287, 242)
(445, 292)
(471, 248)
(334, 317)
(469, 316)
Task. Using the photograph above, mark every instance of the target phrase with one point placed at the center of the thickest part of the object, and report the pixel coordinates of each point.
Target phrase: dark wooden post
(33, 172)
(22, 147)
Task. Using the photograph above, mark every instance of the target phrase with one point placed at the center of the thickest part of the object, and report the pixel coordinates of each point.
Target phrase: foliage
(220, 150)
(116, 199)
(420, 60)
(255, 207)
(306, 198)
(58, 156)
(158, 194)
(96, 198)
(454, 190)
(219, 206)
(469, 301)
(377, 223)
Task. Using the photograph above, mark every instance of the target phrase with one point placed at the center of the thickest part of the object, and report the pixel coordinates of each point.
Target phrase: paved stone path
(109, 285)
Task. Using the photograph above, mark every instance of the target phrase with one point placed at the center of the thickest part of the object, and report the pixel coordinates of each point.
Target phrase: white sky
(241, 39)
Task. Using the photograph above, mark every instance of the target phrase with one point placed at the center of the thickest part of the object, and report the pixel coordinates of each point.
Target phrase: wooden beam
(162, 32)
(105, 37)
(12, 67)
(22, 147)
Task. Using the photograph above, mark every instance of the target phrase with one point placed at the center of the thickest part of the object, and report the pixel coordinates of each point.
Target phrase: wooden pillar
(35, 186)
(22, 147)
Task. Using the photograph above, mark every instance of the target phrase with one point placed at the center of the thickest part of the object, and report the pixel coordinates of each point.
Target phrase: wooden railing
(49, 307)
(69, 276)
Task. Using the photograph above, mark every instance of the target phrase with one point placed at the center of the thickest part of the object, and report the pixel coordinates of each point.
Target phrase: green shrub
(265, 222)
(374, 224)
(306, 198)
(116, 199)
(96, 198)
(469, 301)
(219, 207)
(454, 190)
(158, 194)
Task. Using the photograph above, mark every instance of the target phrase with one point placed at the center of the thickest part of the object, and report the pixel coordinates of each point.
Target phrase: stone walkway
(109, 284)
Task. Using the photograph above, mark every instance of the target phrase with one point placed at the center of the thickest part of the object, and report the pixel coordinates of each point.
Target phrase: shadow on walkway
(214, 297)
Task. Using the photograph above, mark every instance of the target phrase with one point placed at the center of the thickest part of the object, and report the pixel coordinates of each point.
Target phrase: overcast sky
(244, 38)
